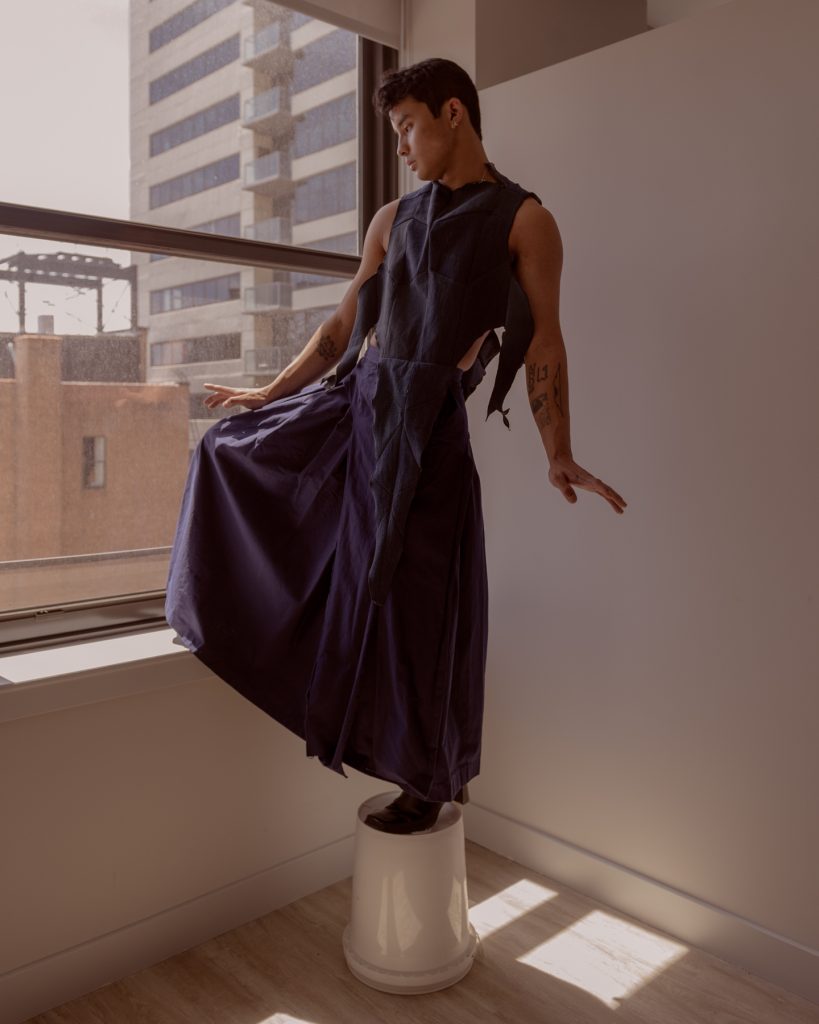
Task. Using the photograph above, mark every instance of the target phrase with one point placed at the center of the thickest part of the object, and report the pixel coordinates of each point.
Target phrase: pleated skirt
(267, 585)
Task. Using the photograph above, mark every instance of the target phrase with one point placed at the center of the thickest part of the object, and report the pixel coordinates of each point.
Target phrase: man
(432, 244)
(446, 147)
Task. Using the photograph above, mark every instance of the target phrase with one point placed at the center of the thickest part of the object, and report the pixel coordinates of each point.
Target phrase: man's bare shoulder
(537, 256)
(373, 252)
(534, 229)
(383, 221)
(376, 238)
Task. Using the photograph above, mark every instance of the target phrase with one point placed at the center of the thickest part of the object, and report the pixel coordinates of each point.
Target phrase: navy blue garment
(446, 279)
(270, 581)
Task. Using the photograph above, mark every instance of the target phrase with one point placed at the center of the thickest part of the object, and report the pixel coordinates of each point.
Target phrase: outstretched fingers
(223, 396)
(611, 496)
(581, 478)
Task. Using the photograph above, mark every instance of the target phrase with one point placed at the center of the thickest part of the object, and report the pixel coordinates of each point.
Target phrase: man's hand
(564, 471)
(253, 398)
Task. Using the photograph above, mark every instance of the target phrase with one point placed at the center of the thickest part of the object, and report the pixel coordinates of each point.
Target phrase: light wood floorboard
(598, 965)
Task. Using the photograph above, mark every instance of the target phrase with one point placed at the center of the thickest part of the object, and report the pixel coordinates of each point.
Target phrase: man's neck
(455, 179)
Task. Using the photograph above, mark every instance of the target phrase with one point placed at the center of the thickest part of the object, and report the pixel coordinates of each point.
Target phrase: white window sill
(38, 682)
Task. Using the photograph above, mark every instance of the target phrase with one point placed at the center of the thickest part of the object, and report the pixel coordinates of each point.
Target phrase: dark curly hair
(431, 81)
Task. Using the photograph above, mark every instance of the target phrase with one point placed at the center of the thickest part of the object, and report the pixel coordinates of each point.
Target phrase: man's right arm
(330, 340)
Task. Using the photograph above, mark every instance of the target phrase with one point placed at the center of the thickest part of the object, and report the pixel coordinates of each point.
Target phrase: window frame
(77, 621)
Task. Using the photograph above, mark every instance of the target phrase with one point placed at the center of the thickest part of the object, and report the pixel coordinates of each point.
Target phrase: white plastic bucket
(409, 930)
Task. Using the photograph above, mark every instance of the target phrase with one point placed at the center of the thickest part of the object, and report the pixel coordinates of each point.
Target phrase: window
(192, 70)
(197, 124)
(172, 276)
(184, 20)
(326, 125)
(197, 350)
(197, 293)
(324, 194)
(323, 59)
(218, 173)
(93, 462)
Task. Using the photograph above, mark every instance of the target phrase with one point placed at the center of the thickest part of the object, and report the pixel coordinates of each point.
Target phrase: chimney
(45, 323)
(39, 444)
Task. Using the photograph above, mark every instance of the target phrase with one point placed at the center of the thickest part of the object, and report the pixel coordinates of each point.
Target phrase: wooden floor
(547, 954)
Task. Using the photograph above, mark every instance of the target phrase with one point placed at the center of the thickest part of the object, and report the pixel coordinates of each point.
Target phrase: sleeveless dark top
(446, 278)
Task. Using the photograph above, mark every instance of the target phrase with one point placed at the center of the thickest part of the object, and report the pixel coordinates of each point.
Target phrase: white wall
(145, 807)
(652, 688)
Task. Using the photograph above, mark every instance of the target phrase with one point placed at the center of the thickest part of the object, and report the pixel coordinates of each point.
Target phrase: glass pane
(103, 357)
(232, 116)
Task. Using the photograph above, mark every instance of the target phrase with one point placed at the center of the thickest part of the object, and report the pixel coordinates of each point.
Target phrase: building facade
(243, 122)
(81, 458)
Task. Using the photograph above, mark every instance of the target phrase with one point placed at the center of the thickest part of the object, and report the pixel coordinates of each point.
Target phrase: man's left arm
(538, 261)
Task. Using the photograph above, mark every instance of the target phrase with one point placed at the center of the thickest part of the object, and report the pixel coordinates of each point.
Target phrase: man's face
(423, 141)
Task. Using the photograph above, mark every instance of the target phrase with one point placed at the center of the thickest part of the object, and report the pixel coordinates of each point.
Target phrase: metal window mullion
(377, 160)
(136, 236)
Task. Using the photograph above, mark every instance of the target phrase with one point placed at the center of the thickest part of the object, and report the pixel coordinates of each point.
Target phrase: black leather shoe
(407, 813)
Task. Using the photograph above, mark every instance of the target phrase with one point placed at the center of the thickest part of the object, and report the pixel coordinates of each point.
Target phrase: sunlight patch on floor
(607, 957)
(509, 904)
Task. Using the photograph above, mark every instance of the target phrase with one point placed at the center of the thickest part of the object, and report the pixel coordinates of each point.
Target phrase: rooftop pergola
(68, 269)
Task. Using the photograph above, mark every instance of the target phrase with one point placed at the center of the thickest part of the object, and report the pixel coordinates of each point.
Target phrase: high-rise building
(243, 123)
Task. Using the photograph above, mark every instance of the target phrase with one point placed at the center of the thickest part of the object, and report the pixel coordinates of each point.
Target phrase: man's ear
(450, 108)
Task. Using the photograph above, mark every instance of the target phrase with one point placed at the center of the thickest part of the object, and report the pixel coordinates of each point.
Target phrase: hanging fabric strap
(517, 336)
(477, 371)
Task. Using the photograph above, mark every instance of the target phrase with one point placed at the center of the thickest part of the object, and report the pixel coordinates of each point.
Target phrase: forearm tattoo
(326, 348)
(540, 409)
(557, 390)
(539, 404)
(535, 374)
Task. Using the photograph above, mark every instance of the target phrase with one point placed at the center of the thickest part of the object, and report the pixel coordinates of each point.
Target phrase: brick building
(79, 465)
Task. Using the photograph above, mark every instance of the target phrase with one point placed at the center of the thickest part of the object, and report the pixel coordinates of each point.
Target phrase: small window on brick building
(93, 462)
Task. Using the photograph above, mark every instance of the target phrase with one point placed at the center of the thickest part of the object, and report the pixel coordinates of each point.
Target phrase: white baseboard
(738, 941)
(39, 986)
(43, 984)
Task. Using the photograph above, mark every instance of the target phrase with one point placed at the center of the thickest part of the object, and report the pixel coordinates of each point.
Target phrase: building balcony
(269, 297)
(270, 175)
(263, 360)
(268, 111)
(266, 51)
(274, 229)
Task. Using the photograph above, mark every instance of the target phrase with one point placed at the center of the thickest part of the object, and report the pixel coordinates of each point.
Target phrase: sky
(64, 138)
